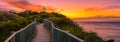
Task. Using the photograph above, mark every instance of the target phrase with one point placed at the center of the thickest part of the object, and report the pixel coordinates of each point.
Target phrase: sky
(69, 8)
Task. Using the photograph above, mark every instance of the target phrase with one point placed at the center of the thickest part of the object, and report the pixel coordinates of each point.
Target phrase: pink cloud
(102, 8)
(20, 5)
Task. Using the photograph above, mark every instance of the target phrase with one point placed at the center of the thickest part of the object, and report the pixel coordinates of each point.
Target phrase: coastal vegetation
(68, 25)
(10, 21)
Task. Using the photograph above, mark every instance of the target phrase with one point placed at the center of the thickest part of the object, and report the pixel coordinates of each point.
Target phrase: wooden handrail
(51, 23)
(8, 39)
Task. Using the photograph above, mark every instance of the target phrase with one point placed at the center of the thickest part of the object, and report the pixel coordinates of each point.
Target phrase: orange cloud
(24, 4)
(93, 9)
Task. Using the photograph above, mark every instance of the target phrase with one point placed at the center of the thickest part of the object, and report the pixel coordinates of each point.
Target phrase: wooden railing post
(12, 40)
(21, 35)
(59, 35)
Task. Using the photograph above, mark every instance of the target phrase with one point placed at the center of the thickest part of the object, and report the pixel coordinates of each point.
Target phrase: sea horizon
(106, 28)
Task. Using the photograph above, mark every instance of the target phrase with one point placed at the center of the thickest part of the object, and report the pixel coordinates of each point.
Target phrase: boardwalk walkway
(42, 34)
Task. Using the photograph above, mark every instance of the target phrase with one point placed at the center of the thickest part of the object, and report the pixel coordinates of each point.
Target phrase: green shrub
(67, 25)
(12, 23)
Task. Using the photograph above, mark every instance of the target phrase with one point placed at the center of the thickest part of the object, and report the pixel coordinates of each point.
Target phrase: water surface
(106, 29)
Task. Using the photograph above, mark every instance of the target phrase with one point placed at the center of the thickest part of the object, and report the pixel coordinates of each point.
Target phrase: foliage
(111, 40)
(13, 25)
(4, 16)
(10, 22)
(13, 22)
(66, 24)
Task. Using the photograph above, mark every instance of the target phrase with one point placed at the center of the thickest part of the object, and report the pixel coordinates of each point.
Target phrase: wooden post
(13, 39)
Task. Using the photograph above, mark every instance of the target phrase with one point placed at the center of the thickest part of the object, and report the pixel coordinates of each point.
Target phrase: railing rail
(59, 35)
(24, 34)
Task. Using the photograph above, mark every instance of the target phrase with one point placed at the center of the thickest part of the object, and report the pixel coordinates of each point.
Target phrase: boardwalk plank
(42, 34)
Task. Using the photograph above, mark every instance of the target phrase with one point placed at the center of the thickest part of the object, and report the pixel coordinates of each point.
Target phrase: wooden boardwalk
(42, 35)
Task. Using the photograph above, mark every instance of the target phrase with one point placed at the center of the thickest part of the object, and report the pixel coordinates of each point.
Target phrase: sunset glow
(70, 8)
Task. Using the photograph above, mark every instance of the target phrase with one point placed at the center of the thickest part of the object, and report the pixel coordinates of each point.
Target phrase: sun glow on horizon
(69, 8)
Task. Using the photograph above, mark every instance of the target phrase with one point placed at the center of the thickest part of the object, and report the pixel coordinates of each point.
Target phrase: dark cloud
(24, 2)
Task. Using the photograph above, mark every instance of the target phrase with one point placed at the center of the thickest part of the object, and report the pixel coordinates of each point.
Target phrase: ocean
(105, 29)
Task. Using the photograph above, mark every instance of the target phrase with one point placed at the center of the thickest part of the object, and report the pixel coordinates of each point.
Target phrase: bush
(111, 40)
(67, 25)
(13, 22)
(4, 16)
(13, 25)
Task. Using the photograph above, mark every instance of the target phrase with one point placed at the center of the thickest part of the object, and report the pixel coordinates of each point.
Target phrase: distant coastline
(96, 19)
